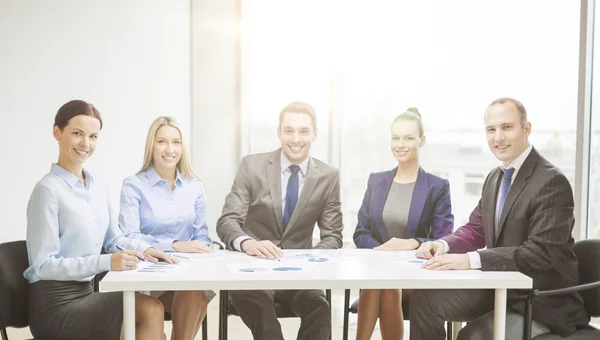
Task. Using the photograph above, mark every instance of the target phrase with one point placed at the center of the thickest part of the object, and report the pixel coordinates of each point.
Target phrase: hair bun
(414, 110)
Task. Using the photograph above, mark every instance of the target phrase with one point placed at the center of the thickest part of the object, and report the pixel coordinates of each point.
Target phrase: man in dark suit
(274, 203)
(524, 220)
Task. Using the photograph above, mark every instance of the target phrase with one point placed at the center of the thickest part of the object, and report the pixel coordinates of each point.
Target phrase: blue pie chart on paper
(252, 270)
(416, 261)
(318, 259)
(287, 269)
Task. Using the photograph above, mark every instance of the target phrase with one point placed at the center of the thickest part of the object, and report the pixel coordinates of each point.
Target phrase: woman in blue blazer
(401, 209)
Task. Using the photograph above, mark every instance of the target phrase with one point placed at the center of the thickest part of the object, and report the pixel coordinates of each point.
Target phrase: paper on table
(182, 257)
(288, 263)
(413, 263)
(160, 268)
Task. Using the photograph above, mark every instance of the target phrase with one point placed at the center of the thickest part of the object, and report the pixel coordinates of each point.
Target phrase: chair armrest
(218, 245)
(566, 290)
(550, 292)
(96, 281)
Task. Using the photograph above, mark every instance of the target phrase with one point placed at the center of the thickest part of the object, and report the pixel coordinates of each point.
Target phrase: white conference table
(308, 269)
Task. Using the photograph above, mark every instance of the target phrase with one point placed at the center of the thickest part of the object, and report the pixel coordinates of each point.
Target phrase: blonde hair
(184, 165)
(412, 113)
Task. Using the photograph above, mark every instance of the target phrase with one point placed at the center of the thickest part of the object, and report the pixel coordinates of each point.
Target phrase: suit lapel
(310, 183)
(274, 178)
(489, 208)
(419, 197)
(379, 198)
(515, 189)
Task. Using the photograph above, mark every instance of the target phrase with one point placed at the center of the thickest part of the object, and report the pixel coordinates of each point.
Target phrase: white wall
(215, 109)
(129, 58)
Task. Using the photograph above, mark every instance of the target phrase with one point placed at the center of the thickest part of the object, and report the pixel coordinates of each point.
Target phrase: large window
(362, 63)
(285, 57)
(450, 59)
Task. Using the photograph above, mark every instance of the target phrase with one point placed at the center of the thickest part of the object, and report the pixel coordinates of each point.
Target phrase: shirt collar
(285, 164)
(518, 162)
(69, 177)
(154, 177)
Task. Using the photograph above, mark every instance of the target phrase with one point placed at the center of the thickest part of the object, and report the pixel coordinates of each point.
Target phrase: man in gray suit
(274, 203)
(524, 219)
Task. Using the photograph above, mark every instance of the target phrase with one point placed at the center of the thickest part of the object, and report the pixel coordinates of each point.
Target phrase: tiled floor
(239, 331)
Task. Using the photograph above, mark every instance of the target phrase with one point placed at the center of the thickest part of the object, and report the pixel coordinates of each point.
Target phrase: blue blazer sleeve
(442, 222)
(364, 235)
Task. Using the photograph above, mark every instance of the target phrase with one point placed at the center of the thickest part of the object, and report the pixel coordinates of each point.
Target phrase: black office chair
(14, 289)
(354, 310)
(588, 253)
(226, 309)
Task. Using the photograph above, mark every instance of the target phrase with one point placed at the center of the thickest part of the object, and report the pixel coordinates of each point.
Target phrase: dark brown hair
(75, 108)
(300, 107)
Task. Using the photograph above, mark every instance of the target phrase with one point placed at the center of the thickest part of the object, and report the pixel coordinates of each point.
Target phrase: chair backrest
(14, 289)
(588, 253)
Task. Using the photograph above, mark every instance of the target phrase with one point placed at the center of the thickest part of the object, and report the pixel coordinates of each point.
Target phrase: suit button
(504, 267)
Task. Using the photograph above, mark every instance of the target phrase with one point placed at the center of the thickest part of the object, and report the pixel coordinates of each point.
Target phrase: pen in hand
(179, 256)
(121, 248)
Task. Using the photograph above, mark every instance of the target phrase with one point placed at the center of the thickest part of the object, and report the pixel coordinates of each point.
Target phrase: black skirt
(68, 310)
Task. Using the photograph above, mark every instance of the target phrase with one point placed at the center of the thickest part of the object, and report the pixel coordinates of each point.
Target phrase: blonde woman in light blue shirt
(69, 220)
(164, 204)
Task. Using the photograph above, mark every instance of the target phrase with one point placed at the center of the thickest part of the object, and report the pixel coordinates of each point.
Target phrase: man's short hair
(300, 107)
(513, 101)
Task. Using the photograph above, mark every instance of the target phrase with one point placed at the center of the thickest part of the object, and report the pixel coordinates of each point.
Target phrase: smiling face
(296, 133)
(77, 140)
(406, 141)
(507, 134)
(167, 149)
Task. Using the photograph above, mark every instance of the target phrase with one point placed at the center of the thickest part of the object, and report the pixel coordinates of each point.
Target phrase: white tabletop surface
(340, 269)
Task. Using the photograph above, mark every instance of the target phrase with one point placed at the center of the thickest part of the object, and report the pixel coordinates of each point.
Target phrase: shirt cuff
(140, 245)
(166, 245)
(237, 243)
(446, 245)
(104, 262)
(474, 260)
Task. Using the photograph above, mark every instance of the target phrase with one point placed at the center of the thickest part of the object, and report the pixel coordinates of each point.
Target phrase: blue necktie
(504, 187)
(291, 195)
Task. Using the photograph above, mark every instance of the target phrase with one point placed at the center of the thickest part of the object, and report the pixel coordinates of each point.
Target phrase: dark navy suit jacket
(430, 215)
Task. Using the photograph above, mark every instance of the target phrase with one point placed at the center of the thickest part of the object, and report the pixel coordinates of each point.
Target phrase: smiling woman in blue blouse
(402, 208)
(165, 205)
(69, 220)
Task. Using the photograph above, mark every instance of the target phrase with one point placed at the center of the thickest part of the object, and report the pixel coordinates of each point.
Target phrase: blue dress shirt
(152, 212)
(67, 225)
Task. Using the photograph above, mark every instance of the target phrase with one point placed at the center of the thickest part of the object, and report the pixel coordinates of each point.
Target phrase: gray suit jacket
(534, 238)
(253, 207)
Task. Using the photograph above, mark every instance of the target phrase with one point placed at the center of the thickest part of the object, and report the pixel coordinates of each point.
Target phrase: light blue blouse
(152, 212)
(67, 225)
